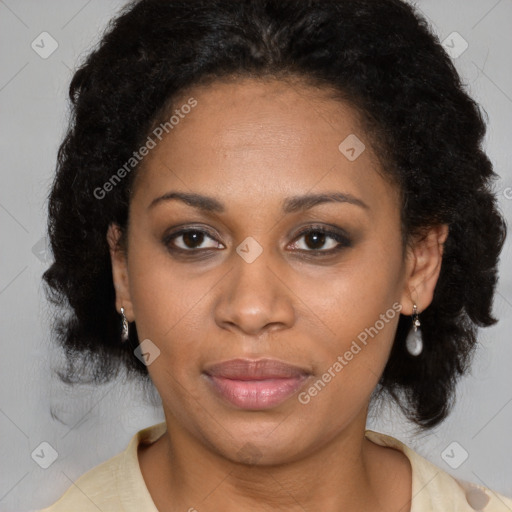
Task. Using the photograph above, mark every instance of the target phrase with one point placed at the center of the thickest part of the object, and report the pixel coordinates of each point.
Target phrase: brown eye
(190, 240)
(315, 239)
(321, 240)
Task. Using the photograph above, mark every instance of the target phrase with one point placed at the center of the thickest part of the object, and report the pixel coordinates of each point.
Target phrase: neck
(347, 473)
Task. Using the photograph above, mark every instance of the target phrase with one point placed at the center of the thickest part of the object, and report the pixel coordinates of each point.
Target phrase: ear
(120, 271)
(423, 265)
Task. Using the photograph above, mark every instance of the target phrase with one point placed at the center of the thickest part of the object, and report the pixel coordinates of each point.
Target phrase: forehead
(267, 137)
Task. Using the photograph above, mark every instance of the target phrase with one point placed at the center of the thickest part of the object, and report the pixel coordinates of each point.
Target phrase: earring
(414, 341)
(125, 330)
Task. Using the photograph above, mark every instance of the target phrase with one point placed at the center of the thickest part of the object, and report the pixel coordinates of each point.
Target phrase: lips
(255, 384)
(254, 369)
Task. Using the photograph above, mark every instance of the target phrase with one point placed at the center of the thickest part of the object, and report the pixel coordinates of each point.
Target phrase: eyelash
(342, 239)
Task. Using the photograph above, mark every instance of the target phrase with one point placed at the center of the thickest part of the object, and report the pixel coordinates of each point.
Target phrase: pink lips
(255, 384)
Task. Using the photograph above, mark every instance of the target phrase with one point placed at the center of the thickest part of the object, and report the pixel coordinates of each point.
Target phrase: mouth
(255, 384)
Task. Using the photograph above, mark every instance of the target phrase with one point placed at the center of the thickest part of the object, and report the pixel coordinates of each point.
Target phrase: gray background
(88, 424)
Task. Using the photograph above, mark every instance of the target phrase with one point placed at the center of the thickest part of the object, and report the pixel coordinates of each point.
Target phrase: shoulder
(435, 490)
(113, 483)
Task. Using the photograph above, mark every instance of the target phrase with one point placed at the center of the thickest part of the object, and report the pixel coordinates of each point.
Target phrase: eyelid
(325, 228)
(168, 237)
(338, 234)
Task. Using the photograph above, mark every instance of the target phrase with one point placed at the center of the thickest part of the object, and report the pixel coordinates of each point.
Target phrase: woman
(276, 211)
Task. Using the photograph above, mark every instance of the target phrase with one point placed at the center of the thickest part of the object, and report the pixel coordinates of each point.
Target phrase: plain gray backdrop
(41, 42)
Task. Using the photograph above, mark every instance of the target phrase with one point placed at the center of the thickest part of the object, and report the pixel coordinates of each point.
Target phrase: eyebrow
(290, 205)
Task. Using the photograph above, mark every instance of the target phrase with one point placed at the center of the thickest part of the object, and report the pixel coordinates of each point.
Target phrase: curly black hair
(383, 58)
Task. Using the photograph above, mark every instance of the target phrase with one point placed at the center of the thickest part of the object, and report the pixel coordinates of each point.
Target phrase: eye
(318, 239)
(190, 240)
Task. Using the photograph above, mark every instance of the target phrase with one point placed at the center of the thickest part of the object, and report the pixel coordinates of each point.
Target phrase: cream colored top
(117, 485)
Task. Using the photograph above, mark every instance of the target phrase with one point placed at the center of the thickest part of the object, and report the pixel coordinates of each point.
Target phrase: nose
(254, 297)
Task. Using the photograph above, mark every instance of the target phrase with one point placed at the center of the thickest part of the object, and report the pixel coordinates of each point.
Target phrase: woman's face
(292, 252)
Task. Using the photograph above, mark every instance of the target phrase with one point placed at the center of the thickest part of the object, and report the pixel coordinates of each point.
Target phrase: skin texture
(252, 144)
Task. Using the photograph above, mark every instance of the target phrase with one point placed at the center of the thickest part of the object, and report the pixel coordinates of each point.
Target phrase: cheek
(167, 307)
(357, 308)
(352, 296)
(168, 304)
(362, 316)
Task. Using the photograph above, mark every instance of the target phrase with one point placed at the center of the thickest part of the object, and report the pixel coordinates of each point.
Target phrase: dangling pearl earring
(125, 331)
(414, 341)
